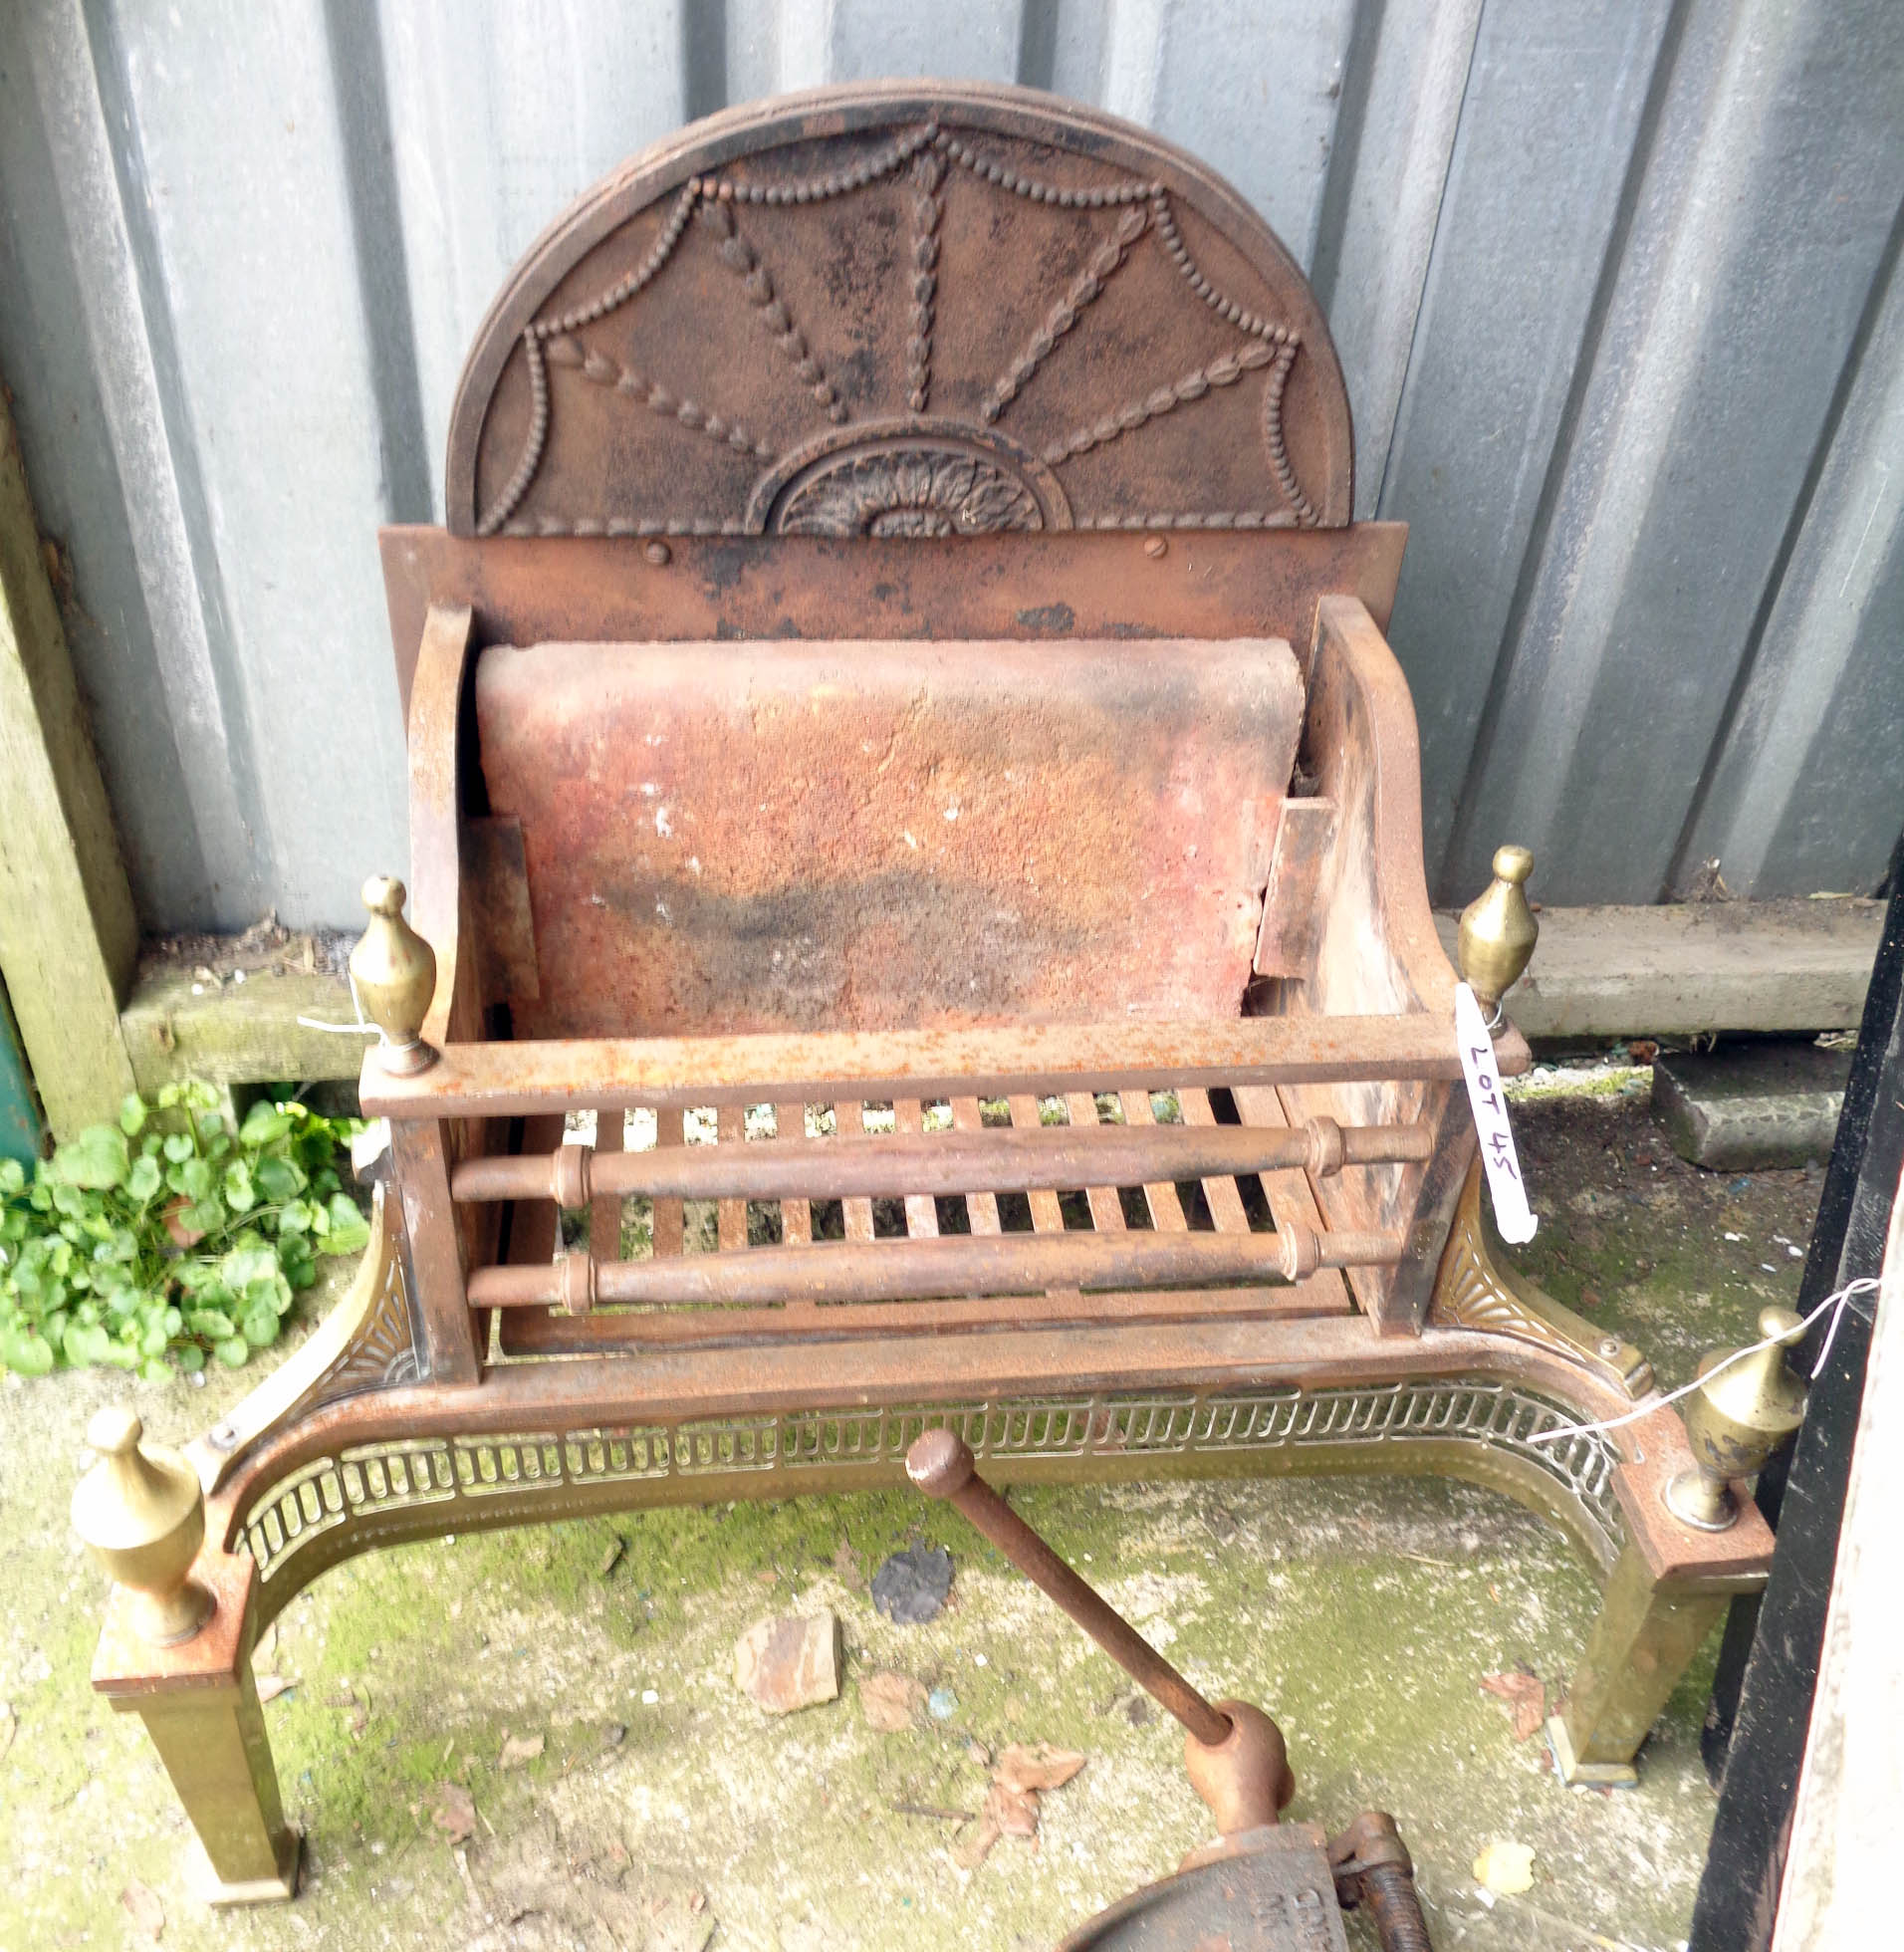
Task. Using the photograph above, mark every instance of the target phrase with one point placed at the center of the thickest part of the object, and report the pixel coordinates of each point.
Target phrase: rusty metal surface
(1085, 1154)
(834, 1273)
(496, 876)
(1055, 1156)
(510, 1080)
(1275, 1895)
(622, 1329)
(1372, 1867)
(867, 835)
(1035, 589)
(877, 311)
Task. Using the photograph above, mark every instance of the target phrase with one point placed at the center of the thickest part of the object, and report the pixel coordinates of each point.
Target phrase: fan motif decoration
(907, 472)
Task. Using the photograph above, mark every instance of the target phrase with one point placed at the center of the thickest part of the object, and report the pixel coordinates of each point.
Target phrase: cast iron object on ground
(1261, 1887)
(911, 1588)
(1275, 1897)
(1752, 1106)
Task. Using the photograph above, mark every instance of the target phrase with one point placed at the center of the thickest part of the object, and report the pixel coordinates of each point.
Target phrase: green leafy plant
(170, 1238)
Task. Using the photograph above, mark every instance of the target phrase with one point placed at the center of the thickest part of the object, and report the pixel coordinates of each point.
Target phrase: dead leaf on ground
(521, 1749)
(1525, 1696)
(454, 1813)
(271, 1686)
(142, 1901)
(978, 1846)
(1010, 1803)
(1013, 1810)
(846, 1564)
(1504, 1868)
(890, 1701)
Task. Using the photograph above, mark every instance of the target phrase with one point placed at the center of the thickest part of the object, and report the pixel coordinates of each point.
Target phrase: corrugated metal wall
(1615, 283)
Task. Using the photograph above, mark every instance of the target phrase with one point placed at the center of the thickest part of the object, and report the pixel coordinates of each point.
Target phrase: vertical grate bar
(671, 1222)
(1106, 1213)
(983, 1207)
(731, 1129)
(796, 1216)
(1290, 1198)
(1166, 1210)
(922, 1217)
(1048, 1217)
(605, 1210)
(1226, 1203)
(850, 1119)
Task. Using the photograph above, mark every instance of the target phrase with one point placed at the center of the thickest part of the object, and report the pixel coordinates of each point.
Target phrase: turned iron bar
(958, 1264)
(526, 1077)
(941, 1465)
(999, 1159)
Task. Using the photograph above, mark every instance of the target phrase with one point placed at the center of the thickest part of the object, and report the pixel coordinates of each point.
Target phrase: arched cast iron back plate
(902, 311)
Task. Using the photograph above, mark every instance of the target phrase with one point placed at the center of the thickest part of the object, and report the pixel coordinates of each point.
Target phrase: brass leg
(199, 1703)
(1645, 1638)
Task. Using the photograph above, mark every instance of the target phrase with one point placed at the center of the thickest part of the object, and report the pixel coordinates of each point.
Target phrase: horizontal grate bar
(538, 1332)
(924, 1268)
(1012, 1159)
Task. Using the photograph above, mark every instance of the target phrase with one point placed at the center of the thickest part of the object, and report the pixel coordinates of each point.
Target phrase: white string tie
(1836, 1302)
(360, 1028)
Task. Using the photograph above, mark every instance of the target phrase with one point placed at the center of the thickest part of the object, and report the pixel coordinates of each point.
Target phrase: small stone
(790, 1663)
(143, 1905)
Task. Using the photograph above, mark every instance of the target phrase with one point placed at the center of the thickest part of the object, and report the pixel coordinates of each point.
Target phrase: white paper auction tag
(1512, 1214)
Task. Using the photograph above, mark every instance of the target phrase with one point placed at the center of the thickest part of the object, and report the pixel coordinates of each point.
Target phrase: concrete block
(1682, 969)
(1758, 1106)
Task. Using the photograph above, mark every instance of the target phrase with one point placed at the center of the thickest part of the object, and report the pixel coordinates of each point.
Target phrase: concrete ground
(659, 1809)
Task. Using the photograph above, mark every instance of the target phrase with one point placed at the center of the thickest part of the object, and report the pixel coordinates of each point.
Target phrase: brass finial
(394, 971)
(1497, 929)
(1736, 1420)
(142, 1516)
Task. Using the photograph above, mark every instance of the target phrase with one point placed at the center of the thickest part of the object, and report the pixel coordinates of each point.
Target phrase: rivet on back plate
(658, 553)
